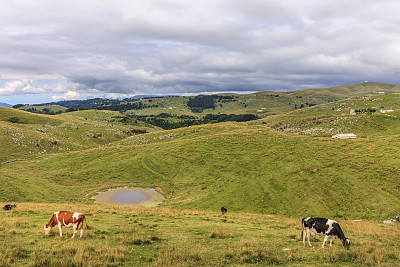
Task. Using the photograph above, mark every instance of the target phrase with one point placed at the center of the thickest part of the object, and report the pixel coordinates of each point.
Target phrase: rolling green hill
(269, 173)
(268, 180)
(206, 166)
(347, 91)
(165, 111)
(25, 135)
(370, 116)
(248, 168)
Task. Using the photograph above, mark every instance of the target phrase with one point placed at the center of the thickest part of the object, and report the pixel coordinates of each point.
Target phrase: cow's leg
(74, 231)
(59, 228)
(81, 232)
(304, 237)
(330, 244)
(308, 236)
(325, 239)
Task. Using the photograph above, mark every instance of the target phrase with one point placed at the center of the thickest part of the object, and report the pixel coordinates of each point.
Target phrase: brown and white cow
(66, 219)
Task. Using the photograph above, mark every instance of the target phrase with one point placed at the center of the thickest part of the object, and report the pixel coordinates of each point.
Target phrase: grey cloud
(176, 46)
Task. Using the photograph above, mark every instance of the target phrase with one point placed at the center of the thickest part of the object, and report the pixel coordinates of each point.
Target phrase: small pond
(147, 197)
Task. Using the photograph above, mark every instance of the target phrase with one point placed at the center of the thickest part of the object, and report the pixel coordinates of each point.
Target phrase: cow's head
(346, 243)
(47, 229)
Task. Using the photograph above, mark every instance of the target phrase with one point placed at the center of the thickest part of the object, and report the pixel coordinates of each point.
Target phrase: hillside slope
(27, 135)
(247, 168)
(269, 173)
(352, 90)
(364, 116)
(165, 111)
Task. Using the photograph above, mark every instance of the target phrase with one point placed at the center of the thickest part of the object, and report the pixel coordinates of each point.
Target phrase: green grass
(267, 176)
(52, 108)
(334, 118)
(130, 236)
(353, 90)
(264, 104)
(32, 135)
(247, 168)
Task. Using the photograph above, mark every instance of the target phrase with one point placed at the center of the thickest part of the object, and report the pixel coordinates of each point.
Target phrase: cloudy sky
(55, 49)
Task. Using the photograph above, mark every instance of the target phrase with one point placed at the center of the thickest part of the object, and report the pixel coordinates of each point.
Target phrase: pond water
(132, 196)
(137, 196)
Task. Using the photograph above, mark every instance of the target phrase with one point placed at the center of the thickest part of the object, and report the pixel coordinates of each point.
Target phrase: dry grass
(130, 236)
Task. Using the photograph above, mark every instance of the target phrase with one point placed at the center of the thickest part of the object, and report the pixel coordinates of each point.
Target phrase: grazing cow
(9, 206)
(66, 219)
(321, 226)
(224, 210)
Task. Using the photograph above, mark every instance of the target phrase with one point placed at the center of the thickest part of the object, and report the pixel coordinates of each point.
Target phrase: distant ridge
(5, 105)
(168, 111)
(347, 91)
(334, 93)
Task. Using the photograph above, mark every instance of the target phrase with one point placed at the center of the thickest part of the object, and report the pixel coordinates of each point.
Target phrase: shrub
(175, 125)
(257, 256)
(70, 110)
(221, 234)
(13, 119)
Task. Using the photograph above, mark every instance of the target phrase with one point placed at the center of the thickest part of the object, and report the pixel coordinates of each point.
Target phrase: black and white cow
(224, 210)
(9, 206)
(321, 226)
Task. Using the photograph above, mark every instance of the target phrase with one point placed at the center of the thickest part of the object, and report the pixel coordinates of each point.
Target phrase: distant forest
(196, 104)
(164, 120)
(89, 103)
(123, 107)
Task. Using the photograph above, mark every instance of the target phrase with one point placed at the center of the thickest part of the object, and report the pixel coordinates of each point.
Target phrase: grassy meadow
(269, 173)
(352, 90)
(265, 103)
(247, 168)
(333, 118)
(25, 135)
(133, 236)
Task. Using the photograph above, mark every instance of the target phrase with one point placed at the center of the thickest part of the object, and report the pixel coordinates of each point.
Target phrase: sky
(52, 50)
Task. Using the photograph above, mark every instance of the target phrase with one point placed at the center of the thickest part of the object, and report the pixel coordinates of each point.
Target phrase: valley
(269, 173)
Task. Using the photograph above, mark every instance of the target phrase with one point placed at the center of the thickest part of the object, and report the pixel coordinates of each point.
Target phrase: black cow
(224, 210)
(321, 226)
(9, 206)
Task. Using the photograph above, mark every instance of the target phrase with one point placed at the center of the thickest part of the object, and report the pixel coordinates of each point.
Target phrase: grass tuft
(221, 234)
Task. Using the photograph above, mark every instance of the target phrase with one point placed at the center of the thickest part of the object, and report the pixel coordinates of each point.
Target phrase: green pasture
(269, 173)
(129, 236)
(248, 168)
(52, 108)
(335, 118)
(352, 90)
(25, 135)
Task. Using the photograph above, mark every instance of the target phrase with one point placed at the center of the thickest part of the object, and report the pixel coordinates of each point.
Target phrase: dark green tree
(175, 125)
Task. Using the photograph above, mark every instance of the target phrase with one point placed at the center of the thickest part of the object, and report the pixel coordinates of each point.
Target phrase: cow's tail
(302, 228)
(84, 220)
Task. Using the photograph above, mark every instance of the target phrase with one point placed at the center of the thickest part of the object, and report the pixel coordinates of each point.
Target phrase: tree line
(198, 104)
(126, 106)
(170, 121)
